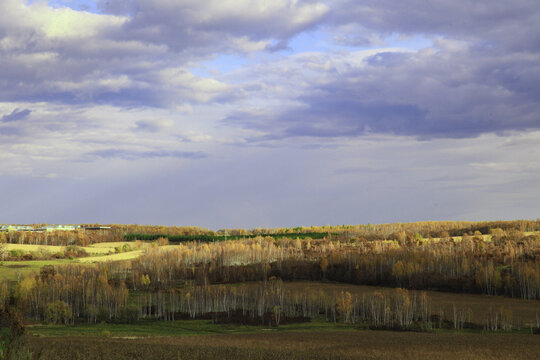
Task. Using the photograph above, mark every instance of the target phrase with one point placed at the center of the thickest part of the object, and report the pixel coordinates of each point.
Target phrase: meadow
(95, 249)
(99, 252)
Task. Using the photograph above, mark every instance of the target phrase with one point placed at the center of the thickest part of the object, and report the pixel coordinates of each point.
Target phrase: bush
(123, 248)
(73, 251)
(15, 253)
(58, 312)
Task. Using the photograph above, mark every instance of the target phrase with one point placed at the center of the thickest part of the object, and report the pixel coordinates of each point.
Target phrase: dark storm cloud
(16, 115)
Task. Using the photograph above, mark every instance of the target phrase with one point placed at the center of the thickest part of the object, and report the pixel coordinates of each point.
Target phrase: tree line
(507, 265)
(121, 232)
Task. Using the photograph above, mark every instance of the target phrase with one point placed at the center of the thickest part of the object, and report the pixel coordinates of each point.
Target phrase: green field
(96, 249)
(13, 270)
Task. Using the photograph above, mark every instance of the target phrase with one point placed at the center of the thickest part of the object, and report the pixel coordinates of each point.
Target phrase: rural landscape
(442, 289)
(269, 179)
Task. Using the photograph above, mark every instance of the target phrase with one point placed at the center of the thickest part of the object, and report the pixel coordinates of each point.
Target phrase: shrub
(58, 312)
(75, 251)
(15, 253)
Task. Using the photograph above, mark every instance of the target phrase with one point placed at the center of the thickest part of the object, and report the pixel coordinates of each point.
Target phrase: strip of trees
(51, 297)
(508, 265)
(70, 292)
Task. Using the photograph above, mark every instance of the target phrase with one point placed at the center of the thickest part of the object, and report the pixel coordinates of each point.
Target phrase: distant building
(16, 228)
(58, 228)
(96, 227)
(50, 228)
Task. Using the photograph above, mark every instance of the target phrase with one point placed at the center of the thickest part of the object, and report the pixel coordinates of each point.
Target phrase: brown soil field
(300, 345)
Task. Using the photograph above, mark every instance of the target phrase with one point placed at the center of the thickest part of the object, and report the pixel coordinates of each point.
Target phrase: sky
(269, 113)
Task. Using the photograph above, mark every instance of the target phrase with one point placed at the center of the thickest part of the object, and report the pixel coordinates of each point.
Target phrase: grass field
(13, 270)
(346, 344)
(52, 249)
(109, 245)
(113, 257)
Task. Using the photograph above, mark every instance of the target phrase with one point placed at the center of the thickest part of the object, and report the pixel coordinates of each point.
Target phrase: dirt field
(300, 345)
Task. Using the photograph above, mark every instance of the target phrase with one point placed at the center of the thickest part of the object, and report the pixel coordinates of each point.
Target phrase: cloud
(425, 94)
(493, 23)
(10, 131)
(134, 155)
(45, 57)
(137, 53)
(179, 23)
(16, 115)
(153, 125)
(278, 46)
